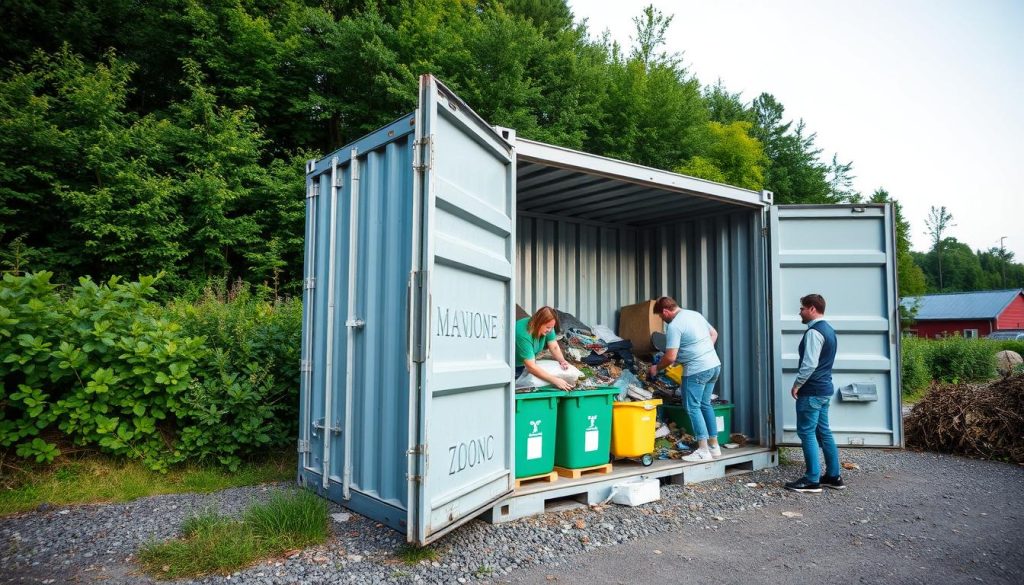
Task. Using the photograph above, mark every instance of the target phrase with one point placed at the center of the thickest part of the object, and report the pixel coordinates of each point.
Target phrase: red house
(971, 314)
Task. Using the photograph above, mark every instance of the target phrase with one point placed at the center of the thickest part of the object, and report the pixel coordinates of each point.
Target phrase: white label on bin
(590, 439)
(534, 447)
(720, 423)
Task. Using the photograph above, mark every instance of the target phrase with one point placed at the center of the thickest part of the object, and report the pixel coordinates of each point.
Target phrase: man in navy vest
(813, 391)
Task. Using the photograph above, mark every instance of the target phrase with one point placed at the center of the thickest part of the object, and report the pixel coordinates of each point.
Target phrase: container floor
(531, 499)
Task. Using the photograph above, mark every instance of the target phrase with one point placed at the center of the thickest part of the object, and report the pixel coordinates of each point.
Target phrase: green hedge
(215, 380)
(952, 359)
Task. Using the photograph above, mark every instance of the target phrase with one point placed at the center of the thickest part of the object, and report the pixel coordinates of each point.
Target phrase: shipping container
(421, 238)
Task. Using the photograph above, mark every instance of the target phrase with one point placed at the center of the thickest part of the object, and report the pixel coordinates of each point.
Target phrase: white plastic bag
(528, 380)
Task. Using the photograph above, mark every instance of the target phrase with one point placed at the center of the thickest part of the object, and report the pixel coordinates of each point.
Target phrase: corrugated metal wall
(378, 423)
(712, 265)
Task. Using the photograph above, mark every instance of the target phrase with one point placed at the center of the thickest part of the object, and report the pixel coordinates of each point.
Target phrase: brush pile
(977, 420)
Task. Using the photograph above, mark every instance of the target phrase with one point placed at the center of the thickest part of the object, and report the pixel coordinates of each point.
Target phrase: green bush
(102, 364)
(214, 380)
(956, 359)
(1006, 344)
(914, 367)
(29, 322)
(246, 398)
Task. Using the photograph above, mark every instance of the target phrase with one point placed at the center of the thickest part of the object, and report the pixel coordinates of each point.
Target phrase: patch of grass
(211, 543)
(99, 479)
(483, 571)
(412, 555)
(912, 397)
(787, 456)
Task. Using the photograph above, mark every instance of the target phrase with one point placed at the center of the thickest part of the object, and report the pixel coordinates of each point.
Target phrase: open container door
(461, 411)
(847, 254)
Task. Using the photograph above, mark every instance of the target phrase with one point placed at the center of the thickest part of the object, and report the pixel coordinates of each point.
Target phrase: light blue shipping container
(422, 236)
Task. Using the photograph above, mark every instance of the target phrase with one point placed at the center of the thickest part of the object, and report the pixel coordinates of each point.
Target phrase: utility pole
(1002, 256)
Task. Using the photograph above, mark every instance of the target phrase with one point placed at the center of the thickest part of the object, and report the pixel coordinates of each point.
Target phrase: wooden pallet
(542, 478)
(578, 473)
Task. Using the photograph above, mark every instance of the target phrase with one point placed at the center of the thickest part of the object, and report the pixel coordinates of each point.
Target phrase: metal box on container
(421, 238)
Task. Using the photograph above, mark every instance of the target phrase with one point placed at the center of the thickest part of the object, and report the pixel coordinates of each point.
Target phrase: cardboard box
(636, 323)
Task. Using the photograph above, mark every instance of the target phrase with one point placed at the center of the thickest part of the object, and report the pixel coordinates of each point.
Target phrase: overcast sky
(926, 97)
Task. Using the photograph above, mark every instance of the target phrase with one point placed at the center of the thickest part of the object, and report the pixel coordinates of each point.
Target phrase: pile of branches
(977, 420)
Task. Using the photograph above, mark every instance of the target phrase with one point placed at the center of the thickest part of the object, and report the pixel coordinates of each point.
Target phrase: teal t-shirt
(527, 346)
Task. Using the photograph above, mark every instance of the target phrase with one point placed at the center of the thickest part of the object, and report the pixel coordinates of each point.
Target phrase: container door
(461, 392)
(847, 254)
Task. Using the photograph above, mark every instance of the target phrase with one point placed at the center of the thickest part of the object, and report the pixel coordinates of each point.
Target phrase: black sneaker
(803, 486)
(835, 483)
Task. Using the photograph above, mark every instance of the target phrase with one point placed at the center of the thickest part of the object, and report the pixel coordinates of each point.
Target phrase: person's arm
(556, 351)
(533, 368)
(813, 342)
(714, 334)
(666, 360)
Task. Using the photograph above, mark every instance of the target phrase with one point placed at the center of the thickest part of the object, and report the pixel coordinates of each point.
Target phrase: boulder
(1007, 360)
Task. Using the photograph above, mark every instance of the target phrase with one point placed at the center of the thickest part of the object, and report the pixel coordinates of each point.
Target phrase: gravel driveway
(907, 517)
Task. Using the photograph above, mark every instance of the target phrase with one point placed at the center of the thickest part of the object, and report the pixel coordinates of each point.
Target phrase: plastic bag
(528, 380)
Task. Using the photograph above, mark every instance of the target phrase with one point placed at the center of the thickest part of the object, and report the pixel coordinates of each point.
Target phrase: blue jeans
(812, 427)
(697, 393)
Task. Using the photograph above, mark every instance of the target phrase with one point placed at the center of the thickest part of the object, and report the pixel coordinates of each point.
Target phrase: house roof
(966, 305)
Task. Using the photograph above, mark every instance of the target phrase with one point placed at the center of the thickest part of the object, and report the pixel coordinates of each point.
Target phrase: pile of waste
(978, 420)
(604, 359)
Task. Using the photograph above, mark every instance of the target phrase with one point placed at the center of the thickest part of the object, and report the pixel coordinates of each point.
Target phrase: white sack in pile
(528, 380)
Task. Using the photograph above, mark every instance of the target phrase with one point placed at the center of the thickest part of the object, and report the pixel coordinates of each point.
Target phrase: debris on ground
(978, 420)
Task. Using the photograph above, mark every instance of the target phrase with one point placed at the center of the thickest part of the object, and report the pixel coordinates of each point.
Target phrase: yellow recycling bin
(633, 425)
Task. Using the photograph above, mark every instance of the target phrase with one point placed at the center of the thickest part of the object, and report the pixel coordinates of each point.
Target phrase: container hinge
(422, 154)
(416, 478)
(357, 323)
(417, 450)
(310, 283)
(319, 425)
(304, 446)
(764, 232)
(305, 365)
(314, 190)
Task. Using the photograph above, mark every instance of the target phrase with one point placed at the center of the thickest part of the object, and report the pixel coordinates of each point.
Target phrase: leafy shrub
(29, 320)
(130, 367)
(246, 397)
(214, 380)
(101, 364)
(1010, 345)
(914, 367)
(956, 359)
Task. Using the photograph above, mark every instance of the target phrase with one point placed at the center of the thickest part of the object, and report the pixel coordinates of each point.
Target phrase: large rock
(1007, 360)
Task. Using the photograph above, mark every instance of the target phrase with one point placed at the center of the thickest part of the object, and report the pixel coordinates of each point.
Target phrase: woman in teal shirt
(532, 334)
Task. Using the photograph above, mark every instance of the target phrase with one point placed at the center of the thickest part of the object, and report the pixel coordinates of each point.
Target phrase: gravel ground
(93, 543)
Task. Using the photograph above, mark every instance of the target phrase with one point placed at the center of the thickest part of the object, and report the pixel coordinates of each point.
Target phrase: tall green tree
(795, 173)
(654, 113)
(911, 279)
(732, 156)
(937, 226)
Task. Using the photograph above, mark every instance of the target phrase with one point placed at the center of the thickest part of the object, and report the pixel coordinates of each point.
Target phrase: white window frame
(970, 333)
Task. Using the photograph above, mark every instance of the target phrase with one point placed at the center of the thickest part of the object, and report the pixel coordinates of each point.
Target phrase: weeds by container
(211, 543)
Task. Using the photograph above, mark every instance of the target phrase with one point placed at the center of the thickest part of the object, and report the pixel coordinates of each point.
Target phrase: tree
(652, 113)
(938, 222)
(794, 172)
(732, 157)
(725, 107)
(911, 279)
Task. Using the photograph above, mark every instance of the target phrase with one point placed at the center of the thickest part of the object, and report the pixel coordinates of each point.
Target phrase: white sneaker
(698, 456)
(715, 451)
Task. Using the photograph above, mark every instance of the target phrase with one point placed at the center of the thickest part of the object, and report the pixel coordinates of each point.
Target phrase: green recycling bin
(536, 421)
(584, 428)
(677, 414)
